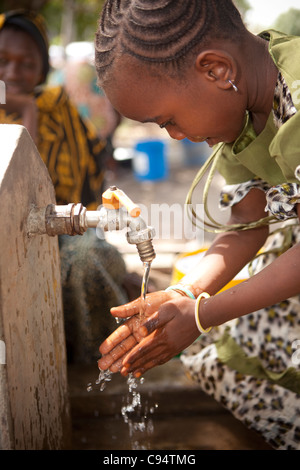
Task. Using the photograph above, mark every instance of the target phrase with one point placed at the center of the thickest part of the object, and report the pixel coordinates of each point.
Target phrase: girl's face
(20, 61)
(194, 108)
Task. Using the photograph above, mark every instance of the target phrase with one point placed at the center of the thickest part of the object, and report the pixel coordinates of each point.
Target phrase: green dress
(252, 365)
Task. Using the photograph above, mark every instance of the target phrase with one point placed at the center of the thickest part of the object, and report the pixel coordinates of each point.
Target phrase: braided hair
(161, 31)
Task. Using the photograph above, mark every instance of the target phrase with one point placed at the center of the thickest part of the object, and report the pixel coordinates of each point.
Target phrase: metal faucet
(116, 213)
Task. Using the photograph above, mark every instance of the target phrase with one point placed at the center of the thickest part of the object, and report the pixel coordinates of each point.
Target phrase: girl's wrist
(196, 290)
(198, 316)
(182, 289)
(190, 290)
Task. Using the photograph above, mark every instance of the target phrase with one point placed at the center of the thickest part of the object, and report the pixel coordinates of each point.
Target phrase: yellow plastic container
(188, 261)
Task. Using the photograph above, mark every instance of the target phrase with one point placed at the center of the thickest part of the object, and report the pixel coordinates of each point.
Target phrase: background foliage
(67, 20)
(76, 20)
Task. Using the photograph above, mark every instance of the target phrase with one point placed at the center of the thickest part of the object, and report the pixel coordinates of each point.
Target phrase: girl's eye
(167, 123)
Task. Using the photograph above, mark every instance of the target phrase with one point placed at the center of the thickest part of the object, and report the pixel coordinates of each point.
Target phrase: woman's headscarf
(33, 24)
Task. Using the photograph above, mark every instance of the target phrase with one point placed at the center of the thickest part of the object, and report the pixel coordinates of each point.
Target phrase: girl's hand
(124, 338)
(142, 343)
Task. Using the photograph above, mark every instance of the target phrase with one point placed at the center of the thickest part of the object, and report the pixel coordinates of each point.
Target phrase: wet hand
(152, 303)
(129, 334)
(119, 343)
(164, 333)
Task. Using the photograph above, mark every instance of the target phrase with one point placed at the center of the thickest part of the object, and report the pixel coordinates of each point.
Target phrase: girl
(194, 69)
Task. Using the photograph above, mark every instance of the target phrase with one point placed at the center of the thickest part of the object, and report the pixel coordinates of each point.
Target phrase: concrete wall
(34, 408)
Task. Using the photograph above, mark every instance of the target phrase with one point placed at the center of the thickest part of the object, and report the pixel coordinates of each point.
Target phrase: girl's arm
(275, 283)
(230, 251)
(170, 316)
(171, 328)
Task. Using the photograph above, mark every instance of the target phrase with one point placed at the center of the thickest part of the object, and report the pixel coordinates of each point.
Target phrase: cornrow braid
(161, 31)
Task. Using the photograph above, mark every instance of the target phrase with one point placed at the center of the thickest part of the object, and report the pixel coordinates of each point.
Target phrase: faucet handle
(114, 197)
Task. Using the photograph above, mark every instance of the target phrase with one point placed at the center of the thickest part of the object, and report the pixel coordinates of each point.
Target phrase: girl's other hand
(127, 335)
(145, 341)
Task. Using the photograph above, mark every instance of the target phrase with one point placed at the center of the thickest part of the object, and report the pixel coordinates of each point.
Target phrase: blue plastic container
(150, 161)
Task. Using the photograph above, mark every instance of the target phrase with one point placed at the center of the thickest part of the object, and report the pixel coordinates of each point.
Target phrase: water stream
(144, 288)
(140, 425)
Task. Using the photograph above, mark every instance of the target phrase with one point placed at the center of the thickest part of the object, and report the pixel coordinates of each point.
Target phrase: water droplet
(134, 416)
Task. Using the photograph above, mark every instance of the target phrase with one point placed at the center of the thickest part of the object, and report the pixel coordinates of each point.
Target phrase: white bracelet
(204, 295)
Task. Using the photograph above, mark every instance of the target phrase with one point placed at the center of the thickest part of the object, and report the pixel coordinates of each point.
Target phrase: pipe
(74, 219)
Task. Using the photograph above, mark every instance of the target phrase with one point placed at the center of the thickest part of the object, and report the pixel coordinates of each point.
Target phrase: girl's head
(171, 62)
(165, 32)
(24, 60)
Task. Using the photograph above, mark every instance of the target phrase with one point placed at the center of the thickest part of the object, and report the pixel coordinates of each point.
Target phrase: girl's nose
(176, 134)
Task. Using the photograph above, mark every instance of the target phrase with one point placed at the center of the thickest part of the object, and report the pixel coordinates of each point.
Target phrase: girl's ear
(217, 66)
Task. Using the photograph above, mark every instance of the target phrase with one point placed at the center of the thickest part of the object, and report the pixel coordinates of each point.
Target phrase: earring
(233, 86)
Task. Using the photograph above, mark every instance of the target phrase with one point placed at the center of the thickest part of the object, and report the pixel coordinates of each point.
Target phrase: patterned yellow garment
(69, 147)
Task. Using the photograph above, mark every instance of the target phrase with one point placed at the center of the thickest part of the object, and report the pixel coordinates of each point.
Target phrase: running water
(132, 412)
(144, 289)
(140, 425)
(104, 377)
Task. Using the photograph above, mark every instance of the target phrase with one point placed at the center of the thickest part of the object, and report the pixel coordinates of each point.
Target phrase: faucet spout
(138, 233)
(143, 241)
